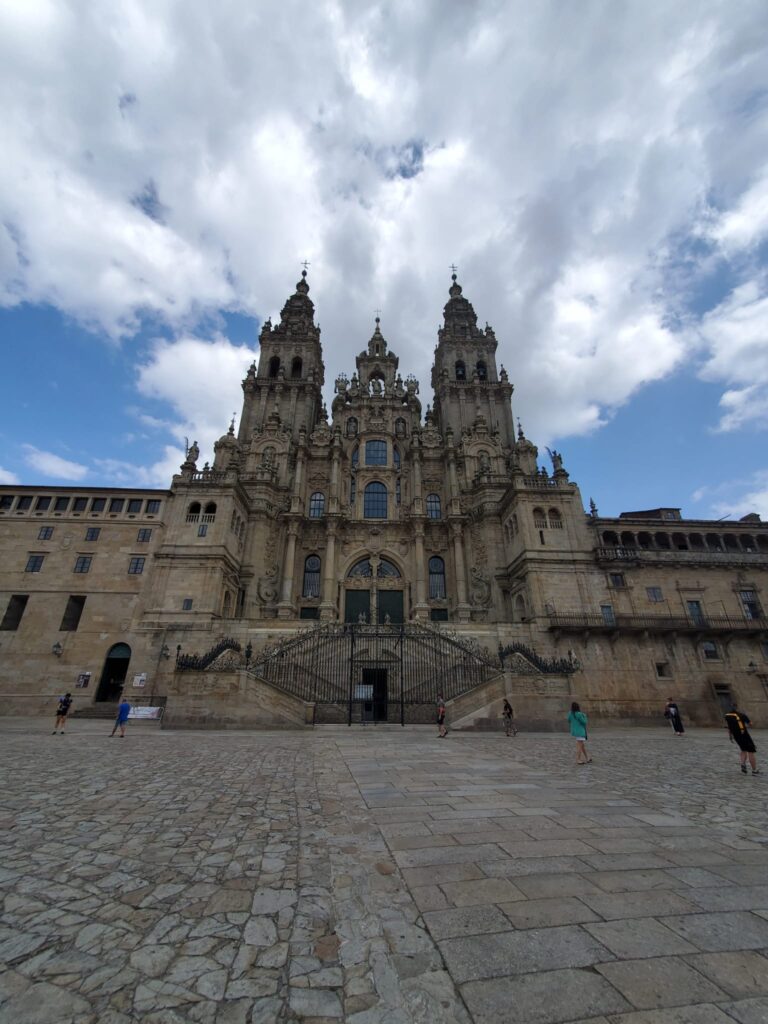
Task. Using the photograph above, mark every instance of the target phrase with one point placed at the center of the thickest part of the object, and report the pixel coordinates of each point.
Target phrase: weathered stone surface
(548, 998)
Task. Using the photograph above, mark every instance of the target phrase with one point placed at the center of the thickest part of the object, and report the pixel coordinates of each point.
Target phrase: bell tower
(290, 376)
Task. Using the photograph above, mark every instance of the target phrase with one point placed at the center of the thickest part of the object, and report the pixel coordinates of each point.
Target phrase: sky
(597, 171)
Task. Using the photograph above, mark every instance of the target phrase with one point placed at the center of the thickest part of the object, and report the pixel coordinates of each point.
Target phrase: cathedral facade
(387, 519)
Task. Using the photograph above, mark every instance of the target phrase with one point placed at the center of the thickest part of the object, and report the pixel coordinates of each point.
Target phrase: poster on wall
(140, 680)
(83, 680)
(151, 713)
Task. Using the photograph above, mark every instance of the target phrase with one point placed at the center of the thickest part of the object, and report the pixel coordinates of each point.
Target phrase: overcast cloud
(586, 165)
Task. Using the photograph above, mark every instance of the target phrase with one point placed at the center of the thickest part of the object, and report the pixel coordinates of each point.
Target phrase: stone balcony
(708, 625)
(679, 556)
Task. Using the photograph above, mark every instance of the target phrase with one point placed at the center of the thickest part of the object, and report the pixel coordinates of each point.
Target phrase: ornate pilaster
(462, 608)
(286, 608)
(328, 605)
(421, 608)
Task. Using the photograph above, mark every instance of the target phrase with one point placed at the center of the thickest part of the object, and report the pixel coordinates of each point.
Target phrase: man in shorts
(65, 703)
(124, 709)
(737, 722)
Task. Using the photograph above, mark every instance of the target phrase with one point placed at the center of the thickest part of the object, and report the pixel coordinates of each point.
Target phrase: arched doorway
(374, 592)
(114, 673)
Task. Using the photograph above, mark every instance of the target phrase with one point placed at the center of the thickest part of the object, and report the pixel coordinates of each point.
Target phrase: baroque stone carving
(481, 588)
(267, 585)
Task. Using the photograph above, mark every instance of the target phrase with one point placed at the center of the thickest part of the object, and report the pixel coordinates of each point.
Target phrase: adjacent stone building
(434, 526)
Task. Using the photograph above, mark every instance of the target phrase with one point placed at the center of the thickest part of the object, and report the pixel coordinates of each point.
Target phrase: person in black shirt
(65, 703)
(737, 722)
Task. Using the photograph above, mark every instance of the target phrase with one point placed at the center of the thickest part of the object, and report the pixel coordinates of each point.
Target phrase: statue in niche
(485, 463)
(375, 386)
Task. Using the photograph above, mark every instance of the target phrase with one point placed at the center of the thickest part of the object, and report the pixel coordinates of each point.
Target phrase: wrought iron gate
(375, 673)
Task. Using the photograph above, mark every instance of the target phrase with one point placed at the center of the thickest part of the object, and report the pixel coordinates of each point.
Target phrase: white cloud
(543, 148)
(737, 498)
(7, 477)
(53, 466)
(129, 474)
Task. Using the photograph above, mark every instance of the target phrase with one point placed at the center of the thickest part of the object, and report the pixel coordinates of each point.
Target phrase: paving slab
(741, 974)
(655, 983)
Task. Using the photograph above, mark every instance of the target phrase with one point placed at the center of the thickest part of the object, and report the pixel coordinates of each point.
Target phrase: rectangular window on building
(695, 612)
(654, 594)
(710, 650)
(6, 501)
(438, 614)
(72, 613)
(116, 505)
(34, 563)
(14, 612)
(609, 617)
(80, 505)
(136, 566)
(61, 505)
(153, 507)
(617, 580)
(663, 670)
(186, 604)
(42, 505)
(750, 604)
(24, 503)
(46, 532)
(144, 536)
(83, 563)
(98, 504)
(202, 531)
(309, 613)
(92, 533)
(134, 505)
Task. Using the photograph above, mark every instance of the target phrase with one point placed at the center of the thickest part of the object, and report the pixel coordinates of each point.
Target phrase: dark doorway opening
(114, 673)
(390, 603)
(724, 696)
(375, 710)
(357, 603)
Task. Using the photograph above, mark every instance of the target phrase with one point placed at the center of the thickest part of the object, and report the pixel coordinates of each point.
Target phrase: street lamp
(57, 649)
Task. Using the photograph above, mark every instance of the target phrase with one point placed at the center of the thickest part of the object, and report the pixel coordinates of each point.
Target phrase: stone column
(462, 607)
(333, 497)
(328, 605)
(286, 608)
(421, 608)
(298, 481)
(418, 500)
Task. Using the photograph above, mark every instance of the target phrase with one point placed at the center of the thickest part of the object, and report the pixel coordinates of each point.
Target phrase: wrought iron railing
(197, 662)
(548, 666)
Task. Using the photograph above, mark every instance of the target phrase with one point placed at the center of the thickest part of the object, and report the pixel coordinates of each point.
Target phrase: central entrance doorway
(114, 673)
(376, 708)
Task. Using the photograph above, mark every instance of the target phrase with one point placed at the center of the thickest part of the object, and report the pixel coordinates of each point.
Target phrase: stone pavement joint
(379, 877)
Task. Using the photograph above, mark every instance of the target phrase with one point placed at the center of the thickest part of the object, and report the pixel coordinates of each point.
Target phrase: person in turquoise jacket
(577, 720)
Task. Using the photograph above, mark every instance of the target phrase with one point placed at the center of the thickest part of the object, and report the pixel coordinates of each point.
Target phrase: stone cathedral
(352, 565)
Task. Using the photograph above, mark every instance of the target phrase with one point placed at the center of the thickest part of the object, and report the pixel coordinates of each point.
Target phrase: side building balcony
(615, 623)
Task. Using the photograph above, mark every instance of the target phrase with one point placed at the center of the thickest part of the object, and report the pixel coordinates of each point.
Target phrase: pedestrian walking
(442, 731)
(672, 713)
(124, 709)
(577, 720)
(509, 719)
(737, 722)
(65, 703)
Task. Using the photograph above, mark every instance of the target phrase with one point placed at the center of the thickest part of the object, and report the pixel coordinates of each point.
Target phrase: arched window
(519, 608)
(386, 568)
(210, 509)
(396, 456)
(352, 426)
(361, 568)
(436, 578)
(434, 510)
(482, 370)
(375, 501)
(400, 427)
(311, 586)
(317, 505)
(539, 519)
(555, 519)
(662, 541)
(194, 509)
(274, 366)
(375, 453)
(296, 368)
(461, 370)
(355, 458)
(710, 651)
(627, 539)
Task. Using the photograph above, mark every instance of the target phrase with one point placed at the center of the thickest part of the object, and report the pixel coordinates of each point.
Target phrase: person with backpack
(737, 722)
(509, 719)
(577, 721)
(65, 703)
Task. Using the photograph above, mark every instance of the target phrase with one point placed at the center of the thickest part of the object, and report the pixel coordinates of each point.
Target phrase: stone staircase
(100, 710)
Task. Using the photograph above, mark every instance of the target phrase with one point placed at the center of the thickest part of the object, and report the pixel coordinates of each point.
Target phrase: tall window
(296, 369)
(72, 614)
(144, 536)
(482, 370)
(136, 566)
(434, 510)
(555, 519)
(375, 453)
(83, 563)
(750, 604)
(317, 505)
(352, 490)
(397, 491)
(311, 586)
(375, 501)
(34, 563)
(436, 578)
(461, 370)
(274, 366)
(14, 612)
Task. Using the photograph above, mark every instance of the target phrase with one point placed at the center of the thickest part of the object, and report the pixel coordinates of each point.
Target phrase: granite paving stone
(655, 983)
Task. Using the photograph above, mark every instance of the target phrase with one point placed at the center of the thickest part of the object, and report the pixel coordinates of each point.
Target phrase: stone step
(102, 709)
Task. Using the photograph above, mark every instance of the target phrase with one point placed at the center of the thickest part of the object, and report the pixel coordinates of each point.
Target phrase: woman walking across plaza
(675, 719)
(509, 719)
(577, 720)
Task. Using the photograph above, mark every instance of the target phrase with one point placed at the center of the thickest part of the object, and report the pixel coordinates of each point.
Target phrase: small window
(202, 530)
(92, 533)
(436, 578)
(317, 505)
(61, 505)
(312, 612)
(186, 604)
(375, 453)
(72, 614)
(98, 504)
(144, 536)
(311, 586)
(42, 504)
(710, 651)
(438, 614)
(117, 505)
(375, 501)
(617, 580)
(274, 366)
(136, 566)
(14, 612)
(80, 505)
(609, 617)
(34, 563)
(482, 370)
(461, 370)
(134, 505)
(6, 501)
(655, 594)
(46, 532)
(153, 507)
(24, 503)
(83, 563)
(434, 510)
(663, 670)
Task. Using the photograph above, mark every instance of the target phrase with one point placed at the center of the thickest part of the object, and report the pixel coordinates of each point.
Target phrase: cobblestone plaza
(377, 874)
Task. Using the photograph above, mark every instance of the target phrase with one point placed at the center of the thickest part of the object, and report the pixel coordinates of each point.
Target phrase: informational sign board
(364, 691)
(140, 680)
(83, 680)
(145, 713)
